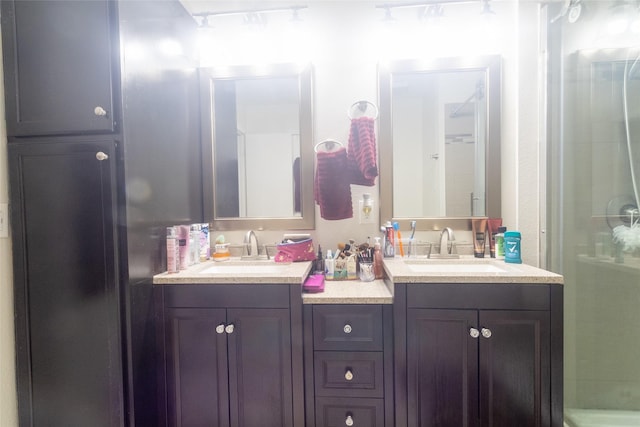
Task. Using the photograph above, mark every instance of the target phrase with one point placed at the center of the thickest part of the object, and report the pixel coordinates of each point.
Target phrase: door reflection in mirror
(257, 147)
(439, 132)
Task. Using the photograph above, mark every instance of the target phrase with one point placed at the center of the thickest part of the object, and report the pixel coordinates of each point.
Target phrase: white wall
(8, 406)
(345, 41)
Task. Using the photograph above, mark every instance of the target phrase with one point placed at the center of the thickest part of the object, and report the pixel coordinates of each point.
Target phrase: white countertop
(351, 292)
(238, 271)
(466, 269)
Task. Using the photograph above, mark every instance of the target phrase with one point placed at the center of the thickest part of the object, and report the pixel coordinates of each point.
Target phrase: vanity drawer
(348, 374)
(340, 412)
(347, 327)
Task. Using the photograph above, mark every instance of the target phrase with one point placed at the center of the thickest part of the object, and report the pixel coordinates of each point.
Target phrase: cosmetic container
(492, 225)
(500, 242)
(479, 230)
(172, 250)
(205, 243)
(512, 240)
(378, 268)
(194, 244)
(389, 241)
(183, 244)
(329, 266)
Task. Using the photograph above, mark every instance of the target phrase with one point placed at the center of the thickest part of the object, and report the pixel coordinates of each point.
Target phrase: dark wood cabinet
(75, 77)
(230, 361)
(349, 365)
(477, 368)
(66, 282)
(477, 355)
(60, 67)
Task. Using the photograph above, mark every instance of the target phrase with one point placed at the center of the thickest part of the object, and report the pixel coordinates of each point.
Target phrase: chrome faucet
(248, 244)
(446, 241)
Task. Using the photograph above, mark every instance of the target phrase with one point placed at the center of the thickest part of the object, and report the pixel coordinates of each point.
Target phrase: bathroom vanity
(231, 345)
(466, 342)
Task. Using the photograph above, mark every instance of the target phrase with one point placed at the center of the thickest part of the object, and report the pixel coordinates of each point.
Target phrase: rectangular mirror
(440, 141)
(257, 134)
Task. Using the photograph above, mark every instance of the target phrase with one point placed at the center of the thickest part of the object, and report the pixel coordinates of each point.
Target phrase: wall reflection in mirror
(440, 138)
(260, 128)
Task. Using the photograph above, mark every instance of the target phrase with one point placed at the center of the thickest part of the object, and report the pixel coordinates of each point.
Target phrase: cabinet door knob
(220, 328)
(99, 111)
(474, 332)
(348, 375)
(349, 420)
(486, 333)
(229, 329)
(347, 329)
(101, 156)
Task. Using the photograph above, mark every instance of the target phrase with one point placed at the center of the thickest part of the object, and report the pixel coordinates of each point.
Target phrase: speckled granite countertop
(463, 270)
(351, 292)
(238, 271)
(467, 269)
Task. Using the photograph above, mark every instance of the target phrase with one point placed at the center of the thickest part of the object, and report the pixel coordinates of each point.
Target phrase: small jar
(221, 252)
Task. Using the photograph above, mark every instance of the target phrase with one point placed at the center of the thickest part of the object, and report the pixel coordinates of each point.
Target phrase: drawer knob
(474, 332)
(220, 328)
(229, 329)
(348, 375)
(486, 332)
(349, 420)
(99, 111)
(101, 156)
(347, 329)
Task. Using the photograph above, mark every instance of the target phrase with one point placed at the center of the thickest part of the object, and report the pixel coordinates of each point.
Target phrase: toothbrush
(413, 232)
(396, 227)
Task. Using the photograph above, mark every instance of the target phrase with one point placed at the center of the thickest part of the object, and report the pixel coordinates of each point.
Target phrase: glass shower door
(596, 146)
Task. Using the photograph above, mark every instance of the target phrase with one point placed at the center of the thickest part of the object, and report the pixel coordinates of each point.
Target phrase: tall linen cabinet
(104, 153)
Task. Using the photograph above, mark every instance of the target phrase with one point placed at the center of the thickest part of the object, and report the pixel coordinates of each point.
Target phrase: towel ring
(362, 107)
(330, 143)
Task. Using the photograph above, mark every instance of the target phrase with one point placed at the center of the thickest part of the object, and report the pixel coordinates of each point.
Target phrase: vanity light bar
(293, 9)
(433, 6)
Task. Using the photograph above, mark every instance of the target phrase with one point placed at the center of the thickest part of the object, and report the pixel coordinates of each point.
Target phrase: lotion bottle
(378, 269)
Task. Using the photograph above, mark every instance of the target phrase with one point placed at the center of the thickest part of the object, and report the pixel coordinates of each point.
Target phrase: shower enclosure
(594, 176)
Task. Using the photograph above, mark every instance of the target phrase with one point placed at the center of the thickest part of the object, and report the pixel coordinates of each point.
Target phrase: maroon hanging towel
(363, 168)
(332, 187)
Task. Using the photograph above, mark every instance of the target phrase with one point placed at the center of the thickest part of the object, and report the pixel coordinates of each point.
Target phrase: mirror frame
(304, 74)
(492, 65)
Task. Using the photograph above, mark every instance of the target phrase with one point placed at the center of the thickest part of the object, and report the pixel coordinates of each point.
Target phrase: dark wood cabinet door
(260, 387)
(66, 289)
(196, 368)
(514, 369)
(59, 66)
(442, 368)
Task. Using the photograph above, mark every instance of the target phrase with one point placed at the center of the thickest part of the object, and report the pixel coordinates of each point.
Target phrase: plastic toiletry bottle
(194, 245)
(512, 240)
(172, 251)
(500, 242)
(319, 263)
(389, 241)
(183, 243)
(329, 266)
(378, 268)
(205, 243)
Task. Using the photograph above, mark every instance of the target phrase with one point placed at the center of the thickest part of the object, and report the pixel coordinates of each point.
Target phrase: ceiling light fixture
(433, 9)
(254, 17)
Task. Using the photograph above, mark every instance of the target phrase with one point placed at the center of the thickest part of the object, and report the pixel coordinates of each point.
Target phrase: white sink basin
(455, 267)
(239, 269)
